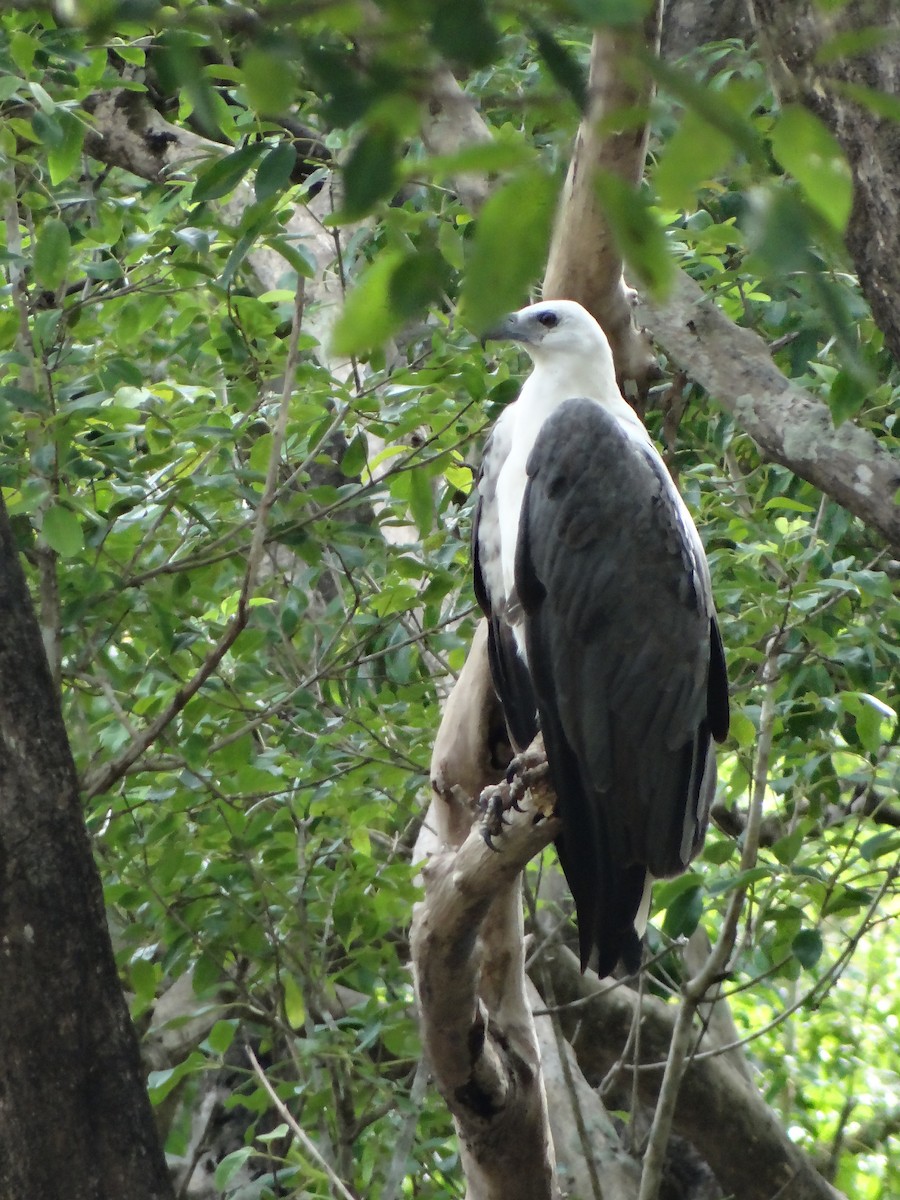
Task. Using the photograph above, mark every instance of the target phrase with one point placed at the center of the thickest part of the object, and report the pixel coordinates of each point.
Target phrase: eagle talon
(487, 835)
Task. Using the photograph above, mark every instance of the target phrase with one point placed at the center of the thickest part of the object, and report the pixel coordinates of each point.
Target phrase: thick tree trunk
(75, 1120)
(795, 35)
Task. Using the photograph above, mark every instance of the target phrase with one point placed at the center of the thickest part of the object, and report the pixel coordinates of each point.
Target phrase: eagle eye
(548, 319)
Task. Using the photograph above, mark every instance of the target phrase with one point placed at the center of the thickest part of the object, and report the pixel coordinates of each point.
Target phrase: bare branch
(468, 953)
(299, 1133)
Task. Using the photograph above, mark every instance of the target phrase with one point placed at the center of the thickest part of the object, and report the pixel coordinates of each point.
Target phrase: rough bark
(719, 1111)
(795, 36)
(691, 23)
(75, 1120)
(789, 425)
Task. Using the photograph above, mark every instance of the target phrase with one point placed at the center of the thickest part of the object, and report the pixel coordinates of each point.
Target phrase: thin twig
(302, 1137)
(102, 778)
(404, 1140)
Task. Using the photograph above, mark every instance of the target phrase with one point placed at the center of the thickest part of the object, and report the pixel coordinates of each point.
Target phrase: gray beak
(509, 329)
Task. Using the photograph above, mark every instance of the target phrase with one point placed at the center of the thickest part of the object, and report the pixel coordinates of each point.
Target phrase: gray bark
(75, 1120)
(794, 34)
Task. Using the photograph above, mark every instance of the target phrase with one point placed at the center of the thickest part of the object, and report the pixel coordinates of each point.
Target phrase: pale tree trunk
(75, 1120)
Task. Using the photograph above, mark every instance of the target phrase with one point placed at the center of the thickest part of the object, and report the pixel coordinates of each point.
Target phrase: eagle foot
(494, 802)
(527, 769)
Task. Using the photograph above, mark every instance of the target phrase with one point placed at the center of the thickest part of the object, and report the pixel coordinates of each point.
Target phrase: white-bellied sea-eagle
(602, 630)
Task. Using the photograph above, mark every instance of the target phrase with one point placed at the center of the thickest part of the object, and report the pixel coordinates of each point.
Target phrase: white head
(556, 330)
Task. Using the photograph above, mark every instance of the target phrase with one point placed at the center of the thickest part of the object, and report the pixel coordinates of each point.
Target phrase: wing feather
(628, 672)
(510, 675)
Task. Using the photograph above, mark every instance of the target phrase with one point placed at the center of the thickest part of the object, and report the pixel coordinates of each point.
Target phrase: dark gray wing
(509, 673)
(626, 662)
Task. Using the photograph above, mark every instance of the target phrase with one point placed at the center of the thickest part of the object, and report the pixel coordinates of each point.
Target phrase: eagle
(602, 633)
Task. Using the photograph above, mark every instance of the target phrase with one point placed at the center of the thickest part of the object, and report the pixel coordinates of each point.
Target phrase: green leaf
(883, 104)
(48, 129)
(270, 82)
(370, 173)
(178, 66)
(368, 319)
(161, 1083)
(684, 913)
(354, 457)
(296, 255)
(224, 176)
(51, 254)
(421, 500)
(807, 947)
(463, 33)
(22, 49)
(221, 1036)
(694, 154)
(742, 729)
(274, 172)
(868, 728)
(64, 158)
(417, 281)
(847, 396)
(294, 1007)
(637, 231)
(509, 248)
(809, 152)
(788, 847)
(229, 1166)
(562, 65)
(62, 532)
(887, 842)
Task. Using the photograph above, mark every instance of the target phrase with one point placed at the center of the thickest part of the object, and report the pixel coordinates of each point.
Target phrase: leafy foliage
(259, 849)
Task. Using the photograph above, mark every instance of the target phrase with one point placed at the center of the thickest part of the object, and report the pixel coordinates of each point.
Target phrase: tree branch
(718, 1111)
(789, 424)
(103, 777)
(468, 955)
(584, 263)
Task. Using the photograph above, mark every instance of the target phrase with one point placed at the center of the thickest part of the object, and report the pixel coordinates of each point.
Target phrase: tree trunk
(75, 1120)
(844, 91)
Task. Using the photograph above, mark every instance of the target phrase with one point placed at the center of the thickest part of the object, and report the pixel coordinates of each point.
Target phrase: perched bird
(602, 630)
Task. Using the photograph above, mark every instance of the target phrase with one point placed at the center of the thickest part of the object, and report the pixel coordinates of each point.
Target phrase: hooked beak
(509, 329)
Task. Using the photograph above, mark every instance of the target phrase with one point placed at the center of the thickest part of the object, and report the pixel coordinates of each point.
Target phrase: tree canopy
(249, 252)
